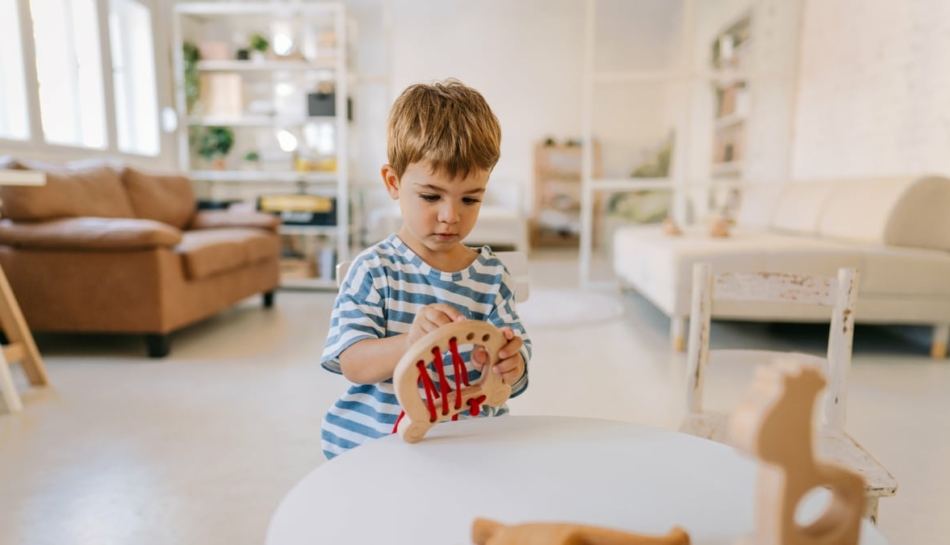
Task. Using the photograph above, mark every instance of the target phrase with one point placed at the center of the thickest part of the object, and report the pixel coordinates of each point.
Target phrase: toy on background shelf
(489, 532)
(670, 228)
(419, 414)
(718, 227)
(774, 423)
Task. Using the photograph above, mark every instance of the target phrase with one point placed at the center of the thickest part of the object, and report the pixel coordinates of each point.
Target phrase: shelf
(262, 176)
(269, 9)
(729, 120)
(630, 184)
(257, 121)
(308, 284)
(265, 66)
(308, 229)
(732, 168)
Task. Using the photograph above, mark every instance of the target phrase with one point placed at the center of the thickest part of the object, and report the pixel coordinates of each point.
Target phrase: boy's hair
(448, 124)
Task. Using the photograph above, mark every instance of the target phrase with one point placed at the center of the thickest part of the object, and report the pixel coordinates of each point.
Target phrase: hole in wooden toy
(485, 338)
(470, 336)
(813, 505)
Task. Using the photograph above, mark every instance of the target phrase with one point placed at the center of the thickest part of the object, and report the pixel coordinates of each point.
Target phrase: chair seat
(831, 445)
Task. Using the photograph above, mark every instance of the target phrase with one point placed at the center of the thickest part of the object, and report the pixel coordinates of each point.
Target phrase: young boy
(443, 142)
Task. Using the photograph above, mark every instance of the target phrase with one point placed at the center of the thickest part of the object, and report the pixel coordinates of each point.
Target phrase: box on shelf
(300, 209)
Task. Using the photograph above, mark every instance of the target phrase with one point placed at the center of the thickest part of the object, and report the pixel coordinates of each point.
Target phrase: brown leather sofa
(105, 248)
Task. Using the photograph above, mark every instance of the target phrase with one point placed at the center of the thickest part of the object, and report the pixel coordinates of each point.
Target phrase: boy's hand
(510, 363)
(429, 318)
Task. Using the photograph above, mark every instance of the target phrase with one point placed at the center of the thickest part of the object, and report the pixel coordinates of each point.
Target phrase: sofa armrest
(218, 219)
(89, 234)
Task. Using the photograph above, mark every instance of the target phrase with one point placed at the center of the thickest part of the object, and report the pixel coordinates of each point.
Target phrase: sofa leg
(158, 345)
(268, 298)
(938, 347)
(678, 333)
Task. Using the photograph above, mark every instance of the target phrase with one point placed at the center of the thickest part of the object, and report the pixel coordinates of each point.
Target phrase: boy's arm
(374, 360)
(505, 314)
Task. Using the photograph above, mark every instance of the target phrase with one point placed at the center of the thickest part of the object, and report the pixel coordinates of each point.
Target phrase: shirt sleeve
(358, 313)
(505, 314)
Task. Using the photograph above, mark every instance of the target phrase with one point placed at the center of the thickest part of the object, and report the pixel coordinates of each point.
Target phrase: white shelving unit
(297, 72)
(592, 185)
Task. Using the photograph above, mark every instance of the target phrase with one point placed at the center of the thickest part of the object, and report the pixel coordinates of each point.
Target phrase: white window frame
(36, 145)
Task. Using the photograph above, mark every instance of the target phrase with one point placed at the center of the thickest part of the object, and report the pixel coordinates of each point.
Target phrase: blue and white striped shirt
(386, 286)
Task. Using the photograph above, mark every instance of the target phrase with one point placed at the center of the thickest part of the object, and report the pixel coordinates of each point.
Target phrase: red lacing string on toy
(461, 376)
(443, 383)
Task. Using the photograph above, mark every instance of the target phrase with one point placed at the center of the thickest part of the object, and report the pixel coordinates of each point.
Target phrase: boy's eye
(469, 200)
(429, 198)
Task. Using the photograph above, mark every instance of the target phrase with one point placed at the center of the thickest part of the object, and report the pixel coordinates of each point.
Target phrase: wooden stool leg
(938, 347)
(19, 336)
(870, 508)
(678, 333)
(7, 387)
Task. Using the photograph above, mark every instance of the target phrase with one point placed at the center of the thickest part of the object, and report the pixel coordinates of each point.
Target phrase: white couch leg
(678, 333)
(938, 347)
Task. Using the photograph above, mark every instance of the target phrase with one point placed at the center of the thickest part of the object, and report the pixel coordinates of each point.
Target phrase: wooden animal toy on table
(489, 532)
(774, 423)
(420, 414)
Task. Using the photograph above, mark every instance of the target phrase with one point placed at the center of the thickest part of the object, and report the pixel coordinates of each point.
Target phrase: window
(13, 117)
(133, 75)
(69, 72)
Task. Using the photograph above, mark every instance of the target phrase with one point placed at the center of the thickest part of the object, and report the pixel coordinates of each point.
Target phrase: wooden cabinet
(557, 189)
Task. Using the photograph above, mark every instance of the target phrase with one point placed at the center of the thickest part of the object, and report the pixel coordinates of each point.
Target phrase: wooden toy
(670, 228)
(420, 414)
(719, 228)
(489, 532)
(774, 423)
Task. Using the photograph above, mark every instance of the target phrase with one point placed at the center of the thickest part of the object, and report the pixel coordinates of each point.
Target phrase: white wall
(527, 58)
(873, 89)
(776, 28)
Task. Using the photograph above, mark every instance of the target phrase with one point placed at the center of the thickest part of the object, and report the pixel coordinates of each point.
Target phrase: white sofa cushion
(758, 204)
(799, 209)
(889, 270)
(859, 210)
(661, 267)
(921, 218)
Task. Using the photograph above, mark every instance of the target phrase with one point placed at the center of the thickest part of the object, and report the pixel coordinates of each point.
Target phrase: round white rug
(567, 308)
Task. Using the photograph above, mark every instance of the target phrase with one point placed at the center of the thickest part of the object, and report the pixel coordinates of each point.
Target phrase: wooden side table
(20, 346)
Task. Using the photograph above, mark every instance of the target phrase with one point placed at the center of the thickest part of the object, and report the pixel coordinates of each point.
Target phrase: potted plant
(191, 58)
(215, 144)
(259, 45)
(252, 160)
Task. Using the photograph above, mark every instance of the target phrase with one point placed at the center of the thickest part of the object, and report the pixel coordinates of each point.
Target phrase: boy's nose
(448, 214)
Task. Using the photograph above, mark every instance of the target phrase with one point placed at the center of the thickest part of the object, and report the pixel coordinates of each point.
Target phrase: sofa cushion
(110, 234)
(800, 206)
(758, 204)
(262, 245)
(168, 198)
(858, 210)
(661, 267)
(920, 219)
(213, 251)
(217, 219)
(95, 191)
(885, 272)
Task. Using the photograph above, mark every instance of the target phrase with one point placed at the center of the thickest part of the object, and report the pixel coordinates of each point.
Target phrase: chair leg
(268, 298)
(7, 387)
(158, 345)
(678, 333)
(870, 508)
(938, 347)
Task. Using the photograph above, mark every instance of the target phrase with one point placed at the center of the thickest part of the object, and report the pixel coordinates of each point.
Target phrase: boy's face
(437, 211)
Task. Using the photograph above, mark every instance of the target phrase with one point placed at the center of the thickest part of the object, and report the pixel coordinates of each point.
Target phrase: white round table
(520, 469)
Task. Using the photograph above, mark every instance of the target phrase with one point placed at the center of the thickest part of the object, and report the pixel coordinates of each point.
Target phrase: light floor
(200, 447)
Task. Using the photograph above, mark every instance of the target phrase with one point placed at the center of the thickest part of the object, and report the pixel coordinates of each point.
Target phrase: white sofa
(895, 231)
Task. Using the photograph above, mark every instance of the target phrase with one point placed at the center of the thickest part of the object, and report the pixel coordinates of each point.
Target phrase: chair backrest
(515, 262)
(839, 293)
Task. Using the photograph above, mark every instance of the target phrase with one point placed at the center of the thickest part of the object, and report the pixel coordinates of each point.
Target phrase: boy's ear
(391, 181)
